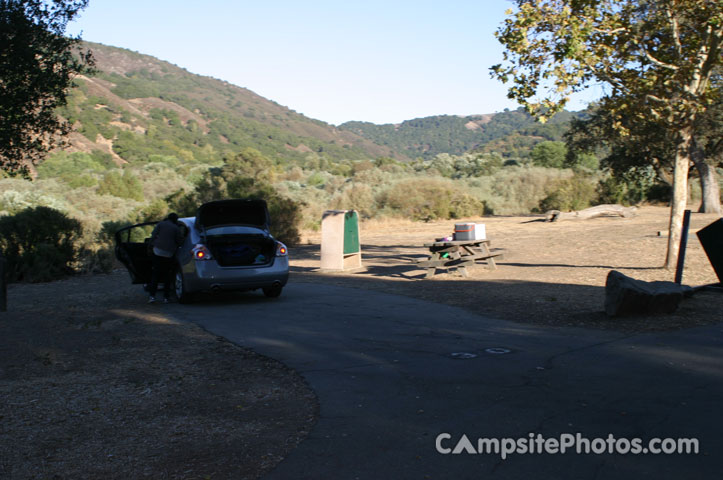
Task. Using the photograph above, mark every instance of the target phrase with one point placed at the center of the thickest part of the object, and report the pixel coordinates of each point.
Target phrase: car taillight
(281, 250)
(201, 252)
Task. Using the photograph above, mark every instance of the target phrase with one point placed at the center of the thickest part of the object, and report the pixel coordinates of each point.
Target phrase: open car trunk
(252, 213)
(239, 250)
(236, 232)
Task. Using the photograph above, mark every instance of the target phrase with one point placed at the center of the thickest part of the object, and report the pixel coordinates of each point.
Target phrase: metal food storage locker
(340, 245)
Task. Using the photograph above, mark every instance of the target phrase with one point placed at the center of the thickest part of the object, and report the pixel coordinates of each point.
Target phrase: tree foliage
(629, 157)
(40, 244)
(657, 58)
(37, 66)
(549, 154)
(246, 175)
(126, 185)
(661, 53)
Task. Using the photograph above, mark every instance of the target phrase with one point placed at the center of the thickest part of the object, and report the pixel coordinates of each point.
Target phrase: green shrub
(514, 190)
(574, 193)
(316, 179)
(68, 165)
(465, 205)
(549, 154)
(286, 218)
(13, 201)
(99, 256)
(357, 196)
(106, 234)
(225, 182)
(95, 259)
(82, 181)
(39, 244)
(428, 198)
(122, 186)
(157, 210)
(633, 187)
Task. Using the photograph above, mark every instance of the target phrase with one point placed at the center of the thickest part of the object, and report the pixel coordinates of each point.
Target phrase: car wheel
(272, 292)
(181, 293)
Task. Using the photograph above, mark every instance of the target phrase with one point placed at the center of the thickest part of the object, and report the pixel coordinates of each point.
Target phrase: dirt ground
(551, 274)
(96, 384)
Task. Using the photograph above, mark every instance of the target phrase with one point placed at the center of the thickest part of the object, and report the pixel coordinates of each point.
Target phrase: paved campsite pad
(95, 384)
(388, 381)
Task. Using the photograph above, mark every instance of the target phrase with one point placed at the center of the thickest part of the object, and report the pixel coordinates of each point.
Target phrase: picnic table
(457, 255)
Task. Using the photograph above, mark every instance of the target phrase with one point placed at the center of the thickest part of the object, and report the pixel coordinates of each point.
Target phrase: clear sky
(381, 61)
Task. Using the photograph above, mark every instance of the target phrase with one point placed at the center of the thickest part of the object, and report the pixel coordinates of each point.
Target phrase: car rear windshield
(233, 213)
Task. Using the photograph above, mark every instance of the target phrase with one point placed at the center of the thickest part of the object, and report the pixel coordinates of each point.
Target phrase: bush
(121, 186)
(515, 190)
(13, 201)
(96, 259)
(574, 193)
(39, 244)
(286, 218)
(156, 211)
(549, 154)
(69, 165)
(357, 196)
(99, 257)
(427, 199)
(633, 187)
(222, 183)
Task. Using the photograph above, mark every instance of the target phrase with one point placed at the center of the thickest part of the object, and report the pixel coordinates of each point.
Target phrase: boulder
(628, 296)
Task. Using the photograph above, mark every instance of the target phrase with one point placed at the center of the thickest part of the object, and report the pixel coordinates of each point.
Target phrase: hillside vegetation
(151, 137)
(139, 106)
(510, 133)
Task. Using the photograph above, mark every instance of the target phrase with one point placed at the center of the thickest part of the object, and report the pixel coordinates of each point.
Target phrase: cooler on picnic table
(469, 231)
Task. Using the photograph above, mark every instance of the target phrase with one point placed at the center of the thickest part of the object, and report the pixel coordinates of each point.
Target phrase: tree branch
(676, 31)
(659, 63)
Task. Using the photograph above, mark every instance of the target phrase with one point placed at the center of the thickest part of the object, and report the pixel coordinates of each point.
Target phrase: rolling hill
(136, 106)
(510, 133)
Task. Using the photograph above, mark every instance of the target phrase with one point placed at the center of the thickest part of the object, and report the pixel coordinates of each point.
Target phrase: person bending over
(165, 240)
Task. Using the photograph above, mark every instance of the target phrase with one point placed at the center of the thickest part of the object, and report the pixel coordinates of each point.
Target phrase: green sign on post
(351, 232)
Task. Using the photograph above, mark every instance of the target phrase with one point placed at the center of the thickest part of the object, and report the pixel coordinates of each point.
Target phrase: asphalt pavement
(401, 379)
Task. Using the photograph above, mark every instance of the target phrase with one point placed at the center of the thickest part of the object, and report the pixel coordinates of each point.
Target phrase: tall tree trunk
(680, 196)
(710, 203)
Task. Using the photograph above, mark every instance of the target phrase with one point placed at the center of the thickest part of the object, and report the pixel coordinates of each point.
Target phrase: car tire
(183, 295)
(273, 292)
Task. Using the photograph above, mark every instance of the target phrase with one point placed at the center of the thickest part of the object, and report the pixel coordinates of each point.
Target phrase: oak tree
(37, 65)
(646, 144)
(654, 57)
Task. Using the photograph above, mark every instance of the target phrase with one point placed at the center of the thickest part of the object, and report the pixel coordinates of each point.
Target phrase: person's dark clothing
(165, 240)
(162, 273)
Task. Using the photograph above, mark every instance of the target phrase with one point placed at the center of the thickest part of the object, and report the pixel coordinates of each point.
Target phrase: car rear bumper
(207, 276)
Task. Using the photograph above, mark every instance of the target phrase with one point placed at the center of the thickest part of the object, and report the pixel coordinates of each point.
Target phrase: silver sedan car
(227, 246)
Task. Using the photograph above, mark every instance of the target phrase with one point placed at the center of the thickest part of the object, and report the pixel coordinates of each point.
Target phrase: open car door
(132, 250)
